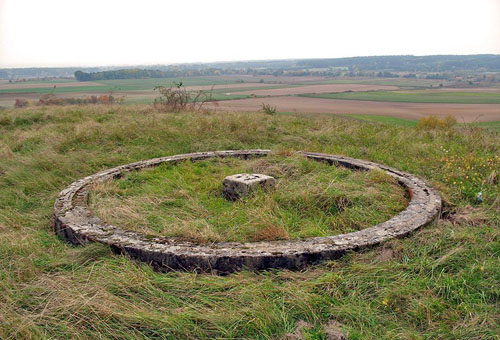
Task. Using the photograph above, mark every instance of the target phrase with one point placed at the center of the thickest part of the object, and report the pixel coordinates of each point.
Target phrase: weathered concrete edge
(75, 223)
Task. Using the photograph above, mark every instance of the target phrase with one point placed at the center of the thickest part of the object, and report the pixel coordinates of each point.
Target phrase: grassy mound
(442, 282)
(310, 199)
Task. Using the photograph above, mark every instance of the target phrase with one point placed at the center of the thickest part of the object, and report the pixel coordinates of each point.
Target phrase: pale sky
(126, 32)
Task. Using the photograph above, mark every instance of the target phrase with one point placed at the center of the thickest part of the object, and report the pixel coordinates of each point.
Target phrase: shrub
(177, 98)
(432, 123)
(21, 103)
(5, 121)
(268, 109)
(50, 99)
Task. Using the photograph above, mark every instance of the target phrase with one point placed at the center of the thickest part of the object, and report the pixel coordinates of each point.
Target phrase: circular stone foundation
(76, 224)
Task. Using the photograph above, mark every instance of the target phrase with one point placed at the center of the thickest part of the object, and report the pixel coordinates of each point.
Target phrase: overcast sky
(125, 32)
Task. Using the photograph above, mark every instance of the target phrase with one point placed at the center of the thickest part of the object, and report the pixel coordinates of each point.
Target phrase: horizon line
(244, 61)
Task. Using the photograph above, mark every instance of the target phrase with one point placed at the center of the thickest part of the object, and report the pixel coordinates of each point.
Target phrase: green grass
(413, 123)
(415, 97)
(148, 84)
(385, 119)
(45, 90)
(310, 199)
(489, 125)
(401, 82)
(125, 85)
(441, 282)
(52, 81)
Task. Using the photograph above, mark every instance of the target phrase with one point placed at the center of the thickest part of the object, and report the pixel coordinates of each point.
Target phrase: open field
(47, 84)
(459, 97)
(399, 82)
(395, 97)
(323, 88)
(124, 85)
(462, 112)
(490, 125)
(442, 282)
(134, 90)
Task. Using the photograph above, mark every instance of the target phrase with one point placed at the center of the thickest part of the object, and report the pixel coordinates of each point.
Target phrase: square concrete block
(240, 185)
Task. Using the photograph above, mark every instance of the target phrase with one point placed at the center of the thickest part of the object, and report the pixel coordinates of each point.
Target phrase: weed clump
(5, 121)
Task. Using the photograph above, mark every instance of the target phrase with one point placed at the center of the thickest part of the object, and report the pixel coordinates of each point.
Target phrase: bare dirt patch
(462, 112)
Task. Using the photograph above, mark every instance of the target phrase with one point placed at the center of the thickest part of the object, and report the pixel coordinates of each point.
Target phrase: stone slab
(241, 185)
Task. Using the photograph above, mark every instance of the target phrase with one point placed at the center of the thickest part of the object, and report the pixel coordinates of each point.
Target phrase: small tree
(177, 98)
(268, 109)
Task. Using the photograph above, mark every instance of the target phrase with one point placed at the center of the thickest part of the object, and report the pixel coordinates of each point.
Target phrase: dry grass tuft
(5, 152)
(271, 233)
(469, 215)
(301, 327)
(492, 178)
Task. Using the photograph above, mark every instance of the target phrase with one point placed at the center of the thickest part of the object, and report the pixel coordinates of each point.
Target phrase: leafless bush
(268, 109)
(177, 98)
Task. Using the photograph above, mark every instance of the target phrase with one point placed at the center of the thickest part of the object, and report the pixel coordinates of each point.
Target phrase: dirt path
(462, 112)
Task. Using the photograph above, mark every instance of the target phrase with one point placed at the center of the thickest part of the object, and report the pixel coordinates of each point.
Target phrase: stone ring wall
(76, 224)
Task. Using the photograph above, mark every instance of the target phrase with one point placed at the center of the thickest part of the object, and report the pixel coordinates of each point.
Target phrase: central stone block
(240, 185)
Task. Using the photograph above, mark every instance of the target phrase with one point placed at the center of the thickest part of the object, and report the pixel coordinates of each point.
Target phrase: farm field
(395, 97)
(490, 125)
(193, 83)
(441, 282)
(462, 112)
(46, 84)
(462, 97)
(399, 82)
(322, 88)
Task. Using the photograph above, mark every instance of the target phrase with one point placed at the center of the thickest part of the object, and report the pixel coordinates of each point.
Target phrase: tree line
(377, 65)
(123, 74)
